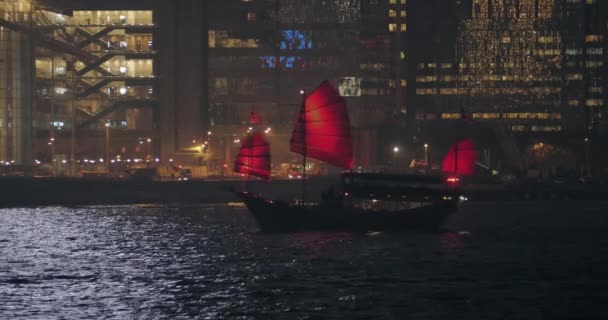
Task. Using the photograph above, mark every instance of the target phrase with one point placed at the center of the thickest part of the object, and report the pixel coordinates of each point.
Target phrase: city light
(505, 57)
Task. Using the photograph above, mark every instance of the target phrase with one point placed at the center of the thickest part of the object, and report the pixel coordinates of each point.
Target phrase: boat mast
(456, 159)
(304, 147)
(248, 182)
(252, 122)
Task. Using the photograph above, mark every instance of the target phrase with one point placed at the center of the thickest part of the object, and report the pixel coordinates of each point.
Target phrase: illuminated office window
(392, 13)
(448, 91)
(573, 52)
(392, 27)
(403, 27)
(593, 38)
(403, 13)
(546, 128)
(424, 79)
(594, 103)
(451, 116)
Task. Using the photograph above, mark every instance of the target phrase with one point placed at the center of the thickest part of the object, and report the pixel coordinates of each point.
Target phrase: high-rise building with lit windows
(165, 78)
(84, 68)
(262, 53)
(172, 79)
(88, 81)
(521, 62)
(522, 70)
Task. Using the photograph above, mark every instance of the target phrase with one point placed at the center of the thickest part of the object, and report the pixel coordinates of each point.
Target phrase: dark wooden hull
(273, 216)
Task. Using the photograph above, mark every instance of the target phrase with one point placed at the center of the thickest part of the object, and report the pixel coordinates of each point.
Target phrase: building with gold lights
(521, 72)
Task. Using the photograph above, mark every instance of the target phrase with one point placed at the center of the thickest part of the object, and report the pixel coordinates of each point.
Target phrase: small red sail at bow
(460, 159)
(322, 131)
(254, 157)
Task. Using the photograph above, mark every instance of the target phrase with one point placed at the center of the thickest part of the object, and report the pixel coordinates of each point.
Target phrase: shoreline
(29, 191)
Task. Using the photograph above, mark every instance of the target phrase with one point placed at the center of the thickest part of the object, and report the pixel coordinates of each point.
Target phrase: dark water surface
(535, 260)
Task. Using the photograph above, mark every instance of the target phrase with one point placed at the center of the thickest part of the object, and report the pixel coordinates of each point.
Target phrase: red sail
(322, 131)
(254, 157)
(461, 159)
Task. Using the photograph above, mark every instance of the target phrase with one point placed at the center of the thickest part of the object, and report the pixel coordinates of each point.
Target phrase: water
(493, 261)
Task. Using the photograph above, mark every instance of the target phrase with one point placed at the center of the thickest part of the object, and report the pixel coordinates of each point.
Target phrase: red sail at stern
(461, 159)
(322, 131)
(254, 157)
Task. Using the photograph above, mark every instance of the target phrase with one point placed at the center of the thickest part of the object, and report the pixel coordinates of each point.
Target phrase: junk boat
(364, 201)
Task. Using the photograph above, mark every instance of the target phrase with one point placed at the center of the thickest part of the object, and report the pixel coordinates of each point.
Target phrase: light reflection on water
(493, 261)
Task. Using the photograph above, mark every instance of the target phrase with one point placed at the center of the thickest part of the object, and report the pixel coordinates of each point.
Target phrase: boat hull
(273, 216)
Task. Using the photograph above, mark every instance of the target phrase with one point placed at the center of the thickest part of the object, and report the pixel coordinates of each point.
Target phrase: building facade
(179, 80)
(98, 87)
(263, 53)
(521, 72)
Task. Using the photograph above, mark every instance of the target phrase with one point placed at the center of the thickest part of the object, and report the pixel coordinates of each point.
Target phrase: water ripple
(209, 262)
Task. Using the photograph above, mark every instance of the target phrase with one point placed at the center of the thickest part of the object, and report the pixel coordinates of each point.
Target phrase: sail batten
(322, 131)
(254, 157)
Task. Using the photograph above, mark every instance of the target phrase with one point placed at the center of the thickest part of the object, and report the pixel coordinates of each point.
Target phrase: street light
(394, 161)
(52, 144)
(107, 147)
(149, 155)
(587, 162)
(426, 154)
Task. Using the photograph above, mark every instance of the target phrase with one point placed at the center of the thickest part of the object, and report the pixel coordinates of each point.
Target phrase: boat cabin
(395, 192)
